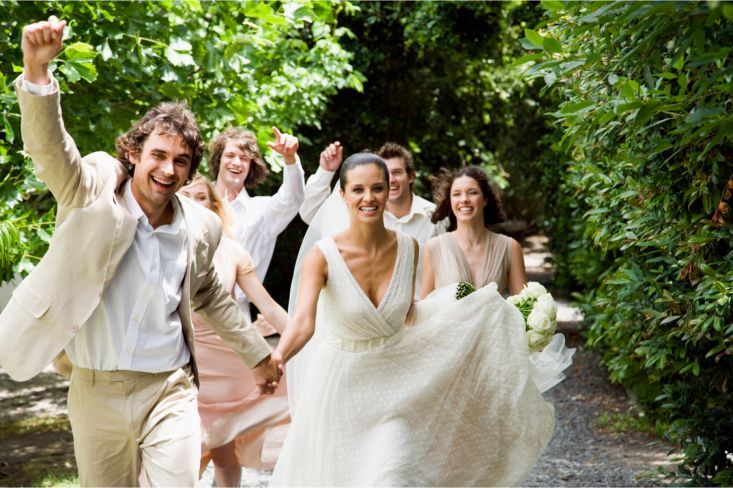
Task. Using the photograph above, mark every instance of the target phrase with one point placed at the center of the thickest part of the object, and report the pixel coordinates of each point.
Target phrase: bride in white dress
(445, 402)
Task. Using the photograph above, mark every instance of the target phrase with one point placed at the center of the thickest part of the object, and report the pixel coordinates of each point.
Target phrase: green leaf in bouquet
(464, 289)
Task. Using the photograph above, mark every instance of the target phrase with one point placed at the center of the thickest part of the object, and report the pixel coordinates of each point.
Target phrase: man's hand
(331, 157)
(285, 145)
(267, 375)
(41, 42)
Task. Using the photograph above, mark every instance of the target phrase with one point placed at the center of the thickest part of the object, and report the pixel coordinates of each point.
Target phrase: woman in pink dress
(235, 418)
(469, 251)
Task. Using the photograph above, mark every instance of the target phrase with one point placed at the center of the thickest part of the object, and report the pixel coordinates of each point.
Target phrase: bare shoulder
(315, 261)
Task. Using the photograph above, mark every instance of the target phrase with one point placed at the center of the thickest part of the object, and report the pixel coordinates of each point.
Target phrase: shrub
(647, 113)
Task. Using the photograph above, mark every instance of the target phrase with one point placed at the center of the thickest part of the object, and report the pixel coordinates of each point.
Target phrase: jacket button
(75, 329)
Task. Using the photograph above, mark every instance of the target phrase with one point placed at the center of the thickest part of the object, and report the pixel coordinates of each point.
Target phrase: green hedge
(647, 113)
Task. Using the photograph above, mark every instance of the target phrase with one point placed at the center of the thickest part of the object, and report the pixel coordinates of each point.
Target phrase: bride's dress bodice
(346, 312)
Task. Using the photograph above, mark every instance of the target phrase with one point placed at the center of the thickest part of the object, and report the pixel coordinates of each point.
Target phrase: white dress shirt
(136, 325)
(257, 221)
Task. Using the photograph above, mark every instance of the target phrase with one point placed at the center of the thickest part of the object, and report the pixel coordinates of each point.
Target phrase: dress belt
(359, 345)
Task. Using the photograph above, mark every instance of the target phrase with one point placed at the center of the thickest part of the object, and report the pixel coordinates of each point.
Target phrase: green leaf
(9, 133)
(79, 51)
(552, 5)
(70, 72)
(179, 53)
(552, 45)
(535, 38)
(527, 58)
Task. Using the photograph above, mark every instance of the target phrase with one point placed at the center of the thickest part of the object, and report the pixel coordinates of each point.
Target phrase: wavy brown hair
(493, 211)
(169, 118)
(246, 141)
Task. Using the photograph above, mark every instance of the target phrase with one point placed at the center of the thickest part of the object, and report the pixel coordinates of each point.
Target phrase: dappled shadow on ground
(35, 437)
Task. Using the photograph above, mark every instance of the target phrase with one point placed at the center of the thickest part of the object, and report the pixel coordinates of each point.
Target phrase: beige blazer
(92, 235)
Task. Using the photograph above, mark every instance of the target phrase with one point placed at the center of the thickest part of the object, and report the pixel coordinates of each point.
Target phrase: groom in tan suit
(127, 263)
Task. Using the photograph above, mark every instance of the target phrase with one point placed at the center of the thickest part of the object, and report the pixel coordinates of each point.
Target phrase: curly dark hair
(362, 159)
(246, 141)
(169, 118)
(493, 211)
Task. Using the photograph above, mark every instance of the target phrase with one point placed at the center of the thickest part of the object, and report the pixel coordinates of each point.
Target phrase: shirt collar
(416, 208)
(177, 225)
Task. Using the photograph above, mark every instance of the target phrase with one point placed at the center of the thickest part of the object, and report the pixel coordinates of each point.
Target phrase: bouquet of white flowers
(540, 314)
(548, 356)
(538, 309)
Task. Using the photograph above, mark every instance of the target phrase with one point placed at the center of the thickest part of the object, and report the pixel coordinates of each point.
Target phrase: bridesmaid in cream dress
(469, 251)
(384, 405)
(235, 418)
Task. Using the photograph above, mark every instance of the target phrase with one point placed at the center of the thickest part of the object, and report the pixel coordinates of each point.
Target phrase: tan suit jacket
(93, 233)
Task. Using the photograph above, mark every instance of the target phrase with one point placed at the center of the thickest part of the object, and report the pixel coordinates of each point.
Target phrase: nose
(167, 167)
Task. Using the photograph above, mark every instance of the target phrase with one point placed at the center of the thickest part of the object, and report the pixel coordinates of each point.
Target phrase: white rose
(534, 289)
(539, 321)
(514, 299)
(535, 339)
(546, 304)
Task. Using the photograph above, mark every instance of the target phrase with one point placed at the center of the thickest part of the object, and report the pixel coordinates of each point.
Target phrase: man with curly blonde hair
(236, 166)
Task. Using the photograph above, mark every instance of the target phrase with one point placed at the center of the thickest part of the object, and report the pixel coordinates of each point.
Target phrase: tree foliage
(647, 115)
(440, 81)
(253, 64)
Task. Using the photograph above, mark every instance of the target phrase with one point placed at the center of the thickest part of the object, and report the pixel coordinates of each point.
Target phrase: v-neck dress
(450, 265)
(446, 402)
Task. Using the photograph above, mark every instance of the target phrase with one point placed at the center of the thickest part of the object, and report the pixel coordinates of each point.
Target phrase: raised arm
(56, 159)
(318, 186)
(303, 323)
(283, 206)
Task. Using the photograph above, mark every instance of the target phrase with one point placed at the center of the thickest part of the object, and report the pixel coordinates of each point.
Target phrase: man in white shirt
(236, 164)
(406, 212)
(126, 264)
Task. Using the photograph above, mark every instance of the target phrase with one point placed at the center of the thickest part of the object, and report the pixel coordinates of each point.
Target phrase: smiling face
(399, 180)
(234, 166)
(161, 169)
(466, 199)
(365, 193)
(198, 191)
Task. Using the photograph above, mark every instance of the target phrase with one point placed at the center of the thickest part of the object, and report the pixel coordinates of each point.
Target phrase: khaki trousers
(124, 419)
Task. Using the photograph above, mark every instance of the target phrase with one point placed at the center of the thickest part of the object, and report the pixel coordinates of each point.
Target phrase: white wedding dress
(446, 402)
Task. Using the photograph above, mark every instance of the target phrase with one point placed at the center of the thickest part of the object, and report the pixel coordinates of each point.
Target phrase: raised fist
(41, 42)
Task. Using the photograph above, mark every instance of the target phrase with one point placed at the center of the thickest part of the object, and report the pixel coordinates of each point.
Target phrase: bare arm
(257, 294)
(428, 276)
(517, 273)
(303, 324)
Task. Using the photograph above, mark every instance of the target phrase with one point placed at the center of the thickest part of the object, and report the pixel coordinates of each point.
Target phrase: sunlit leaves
(647, 123)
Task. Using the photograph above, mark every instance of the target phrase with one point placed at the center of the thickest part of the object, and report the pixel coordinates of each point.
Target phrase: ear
(133, 157)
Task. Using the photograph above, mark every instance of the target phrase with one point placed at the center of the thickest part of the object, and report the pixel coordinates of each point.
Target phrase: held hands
(285, 145)
(332, 156)
(41, 42)
(267, 374)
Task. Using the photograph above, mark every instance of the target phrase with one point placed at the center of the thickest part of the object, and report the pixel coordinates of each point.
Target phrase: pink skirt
(231, 407)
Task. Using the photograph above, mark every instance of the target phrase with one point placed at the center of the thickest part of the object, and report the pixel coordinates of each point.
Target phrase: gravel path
(583, 451)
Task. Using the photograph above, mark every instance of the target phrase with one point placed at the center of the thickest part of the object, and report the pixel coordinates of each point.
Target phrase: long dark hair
(493, 211)
(362, 159)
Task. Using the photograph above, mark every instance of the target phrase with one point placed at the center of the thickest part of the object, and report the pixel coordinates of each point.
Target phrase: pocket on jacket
(32, 302)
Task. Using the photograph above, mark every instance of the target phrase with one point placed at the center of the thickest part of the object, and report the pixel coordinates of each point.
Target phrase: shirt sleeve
(283, 205)
(317, 190)
(38, 90)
